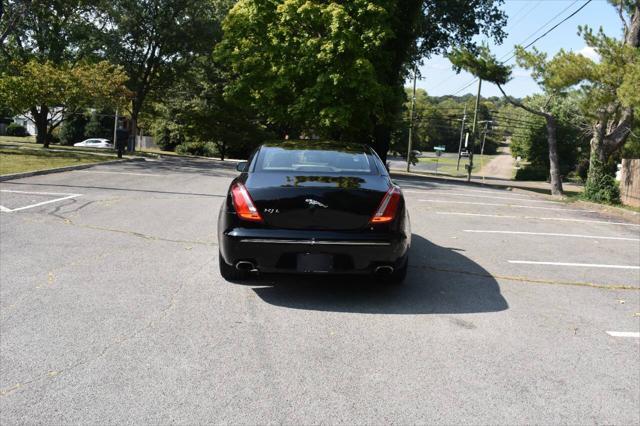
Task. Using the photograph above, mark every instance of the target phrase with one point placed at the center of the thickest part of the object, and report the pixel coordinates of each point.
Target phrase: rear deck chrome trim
(314, 242)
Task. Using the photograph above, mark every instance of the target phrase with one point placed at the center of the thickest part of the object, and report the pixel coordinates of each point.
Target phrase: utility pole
(484, 138)
(473, 131)
(464, 118)
(115, 129)
(413, 107)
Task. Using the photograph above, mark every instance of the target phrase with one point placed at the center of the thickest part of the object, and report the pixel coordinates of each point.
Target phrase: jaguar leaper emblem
(317, 203)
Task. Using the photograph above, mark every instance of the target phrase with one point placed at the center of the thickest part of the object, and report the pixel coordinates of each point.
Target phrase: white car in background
(95, 143)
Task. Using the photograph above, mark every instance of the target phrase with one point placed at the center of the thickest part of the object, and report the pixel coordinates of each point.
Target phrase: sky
(527, 19)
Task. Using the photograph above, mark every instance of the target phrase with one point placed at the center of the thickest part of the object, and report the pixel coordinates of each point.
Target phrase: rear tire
(229, 272)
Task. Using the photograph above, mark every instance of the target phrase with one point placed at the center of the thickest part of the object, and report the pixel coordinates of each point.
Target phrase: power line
(535, 6)
(538, 38)
(553, 28)
(542, 27)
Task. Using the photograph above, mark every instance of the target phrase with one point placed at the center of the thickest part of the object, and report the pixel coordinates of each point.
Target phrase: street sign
(439, 148)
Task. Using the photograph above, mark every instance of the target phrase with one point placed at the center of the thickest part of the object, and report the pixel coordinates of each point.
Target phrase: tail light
(388, 206)
(243, 203)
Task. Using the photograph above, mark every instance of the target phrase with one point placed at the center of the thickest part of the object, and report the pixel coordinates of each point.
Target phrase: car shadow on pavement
(439, 281)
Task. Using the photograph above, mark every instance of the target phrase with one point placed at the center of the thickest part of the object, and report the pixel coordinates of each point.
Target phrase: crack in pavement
(116, 342)
(532, 280)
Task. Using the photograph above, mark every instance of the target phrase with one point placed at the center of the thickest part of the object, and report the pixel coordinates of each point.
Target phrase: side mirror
(241, 166)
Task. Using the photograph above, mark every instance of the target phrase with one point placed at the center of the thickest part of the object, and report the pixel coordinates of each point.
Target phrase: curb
(450, 179)
(510, 186)
(64, 169)
(606, 210)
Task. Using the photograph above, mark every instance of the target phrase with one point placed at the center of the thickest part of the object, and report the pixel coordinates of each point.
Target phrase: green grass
(17, 139)
(19, 160)
(29, 142)
(447, 166)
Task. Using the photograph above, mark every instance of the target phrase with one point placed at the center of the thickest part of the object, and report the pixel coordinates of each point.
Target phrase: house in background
(28, 123)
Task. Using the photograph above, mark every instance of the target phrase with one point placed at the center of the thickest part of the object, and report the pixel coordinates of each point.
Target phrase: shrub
(97, 127)
(204, 149)
(15, 129)
(601, 187)
(72, 129)
(532, 172)
(583, 169)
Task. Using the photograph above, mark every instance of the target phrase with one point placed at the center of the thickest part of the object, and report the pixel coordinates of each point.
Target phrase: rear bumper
(276, 250)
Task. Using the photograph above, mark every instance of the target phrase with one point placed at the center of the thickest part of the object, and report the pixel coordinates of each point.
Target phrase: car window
(271, 159)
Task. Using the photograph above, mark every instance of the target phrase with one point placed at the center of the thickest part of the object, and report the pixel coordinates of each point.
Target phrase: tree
(72, 129)
(196, 116)
(49, 91)
(46, 61)
(337, 69)
(10, 16)
(612, 89)
(529, 137)
(486, 67)
(157, 40)
(99, 126)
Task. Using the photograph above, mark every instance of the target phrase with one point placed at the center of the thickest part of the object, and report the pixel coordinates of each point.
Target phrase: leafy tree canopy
(337, 68)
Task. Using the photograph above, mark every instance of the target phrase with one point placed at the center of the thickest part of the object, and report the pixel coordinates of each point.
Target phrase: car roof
(319, 145)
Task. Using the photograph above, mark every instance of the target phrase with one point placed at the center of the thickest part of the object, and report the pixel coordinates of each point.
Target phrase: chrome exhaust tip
(383, 270)
(245, 265)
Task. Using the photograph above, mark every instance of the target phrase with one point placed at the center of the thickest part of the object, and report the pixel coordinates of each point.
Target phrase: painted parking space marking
(632, 334)
(458, 194)
(517, 206)
(552, 234)
(580, 265)
(118, 173)
(30, 206)
(539, 218)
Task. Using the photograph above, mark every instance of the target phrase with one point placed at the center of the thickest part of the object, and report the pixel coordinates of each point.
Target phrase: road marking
(519, 206)
(538, 218)
(35, 193)
(8, 210)
(118, 173)
(624, 334)
(582, 265)
(478, 196)
(551, 234)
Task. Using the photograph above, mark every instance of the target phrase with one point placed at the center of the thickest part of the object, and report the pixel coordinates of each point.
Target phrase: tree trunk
(41, 120)
(552, 141)
(554, 162)
(598, 177)
(222, 149)
(381, 141)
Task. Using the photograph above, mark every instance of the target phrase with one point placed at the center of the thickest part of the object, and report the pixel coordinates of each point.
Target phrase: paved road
(501, 166)
(112, 311)
(400, 163)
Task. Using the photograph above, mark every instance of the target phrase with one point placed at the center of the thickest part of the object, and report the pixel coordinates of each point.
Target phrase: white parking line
(538, 218)
(458, 194)
(624, 334)
(118, 173)
(581, 265)
(551, 234)
(518, 206)
(35, 193)
(8, 210)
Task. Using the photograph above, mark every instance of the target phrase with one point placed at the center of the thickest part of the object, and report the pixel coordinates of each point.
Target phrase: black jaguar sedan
(314, 207)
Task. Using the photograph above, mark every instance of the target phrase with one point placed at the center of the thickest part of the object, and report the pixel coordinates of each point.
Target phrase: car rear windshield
(314, 160)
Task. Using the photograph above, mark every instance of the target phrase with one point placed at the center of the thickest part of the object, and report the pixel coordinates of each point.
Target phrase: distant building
(27, 121)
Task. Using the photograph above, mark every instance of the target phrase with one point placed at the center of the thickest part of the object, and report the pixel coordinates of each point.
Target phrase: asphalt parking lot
(515, 310)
